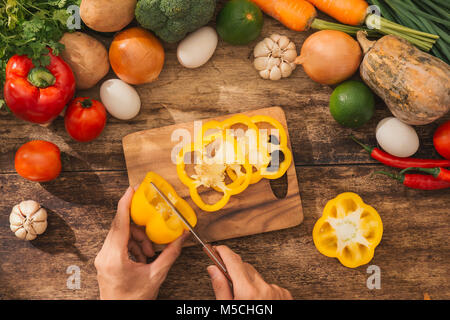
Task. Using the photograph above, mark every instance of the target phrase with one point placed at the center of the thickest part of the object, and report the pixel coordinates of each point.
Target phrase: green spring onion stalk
(428, 16)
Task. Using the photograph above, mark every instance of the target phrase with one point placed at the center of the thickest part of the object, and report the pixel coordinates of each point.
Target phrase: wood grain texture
(256, 210)
(414, 253)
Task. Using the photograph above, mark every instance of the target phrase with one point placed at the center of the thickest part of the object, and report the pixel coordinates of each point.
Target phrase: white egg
(397, 138)
(197, 48)
(120, 99)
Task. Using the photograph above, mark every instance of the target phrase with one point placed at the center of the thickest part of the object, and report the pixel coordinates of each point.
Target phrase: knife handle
(215, 257)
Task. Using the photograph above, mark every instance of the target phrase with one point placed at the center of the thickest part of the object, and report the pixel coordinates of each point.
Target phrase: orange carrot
(352, 12)
(294, 14)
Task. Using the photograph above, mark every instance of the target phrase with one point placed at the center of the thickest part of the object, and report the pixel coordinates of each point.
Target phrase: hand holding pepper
(118, 276)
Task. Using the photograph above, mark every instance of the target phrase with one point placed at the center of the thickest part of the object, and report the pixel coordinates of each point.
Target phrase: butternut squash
(413, 84)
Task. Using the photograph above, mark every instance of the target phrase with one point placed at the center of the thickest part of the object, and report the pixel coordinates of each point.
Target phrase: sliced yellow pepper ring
(268, 166)
(211, 172)
(148, 209)
(267, 171)
(349, 230)
(251, 141)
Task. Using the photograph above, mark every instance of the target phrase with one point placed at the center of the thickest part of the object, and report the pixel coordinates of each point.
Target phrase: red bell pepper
(38, 94)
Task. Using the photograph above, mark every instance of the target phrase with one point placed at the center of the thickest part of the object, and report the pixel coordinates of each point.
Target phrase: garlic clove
(291, 46)
(40, 227)
(261, 50)
(293, 66)
(275, 37)
(30, 236)
(15, 210)
(16, 217)
(289, 55)
(269, 43)
(40, 215)
(21, 233)
(273, 62)
(14, 228)
(261, 63)
(283, 42)
(265, 74)
(29, 207)
(286, 70)
(275, 73)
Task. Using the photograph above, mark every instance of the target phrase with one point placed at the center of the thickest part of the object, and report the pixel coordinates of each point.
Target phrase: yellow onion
(330, 56)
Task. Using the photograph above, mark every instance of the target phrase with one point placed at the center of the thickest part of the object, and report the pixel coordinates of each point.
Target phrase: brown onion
(330, 57)
(136, 56)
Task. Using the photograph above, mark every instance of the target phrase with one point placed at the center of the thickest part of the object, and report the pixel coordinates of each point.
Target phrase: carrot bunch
(300, 15)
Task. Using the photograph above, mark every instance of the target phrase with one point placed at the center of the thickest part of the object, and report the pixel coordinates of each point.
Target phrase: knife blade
(207, 248)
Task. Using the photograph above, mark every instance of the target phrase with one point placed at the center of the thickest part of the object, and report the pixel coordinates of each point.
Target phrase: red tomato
(442, 140)
(85, 119)
(38, 161)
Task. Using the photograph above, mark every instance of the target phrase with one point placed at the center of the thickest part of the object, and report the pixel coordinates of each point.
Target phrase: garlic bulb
(28, 219)
(274, 57)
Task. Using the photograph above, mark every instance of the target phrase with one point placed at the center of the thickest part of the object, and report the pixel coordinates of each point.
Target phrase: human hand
(247, 282)
(118, 276)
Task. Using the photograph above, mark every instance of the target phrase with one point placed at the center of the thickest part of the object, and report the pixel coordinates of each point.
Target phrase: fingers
(120, 228)
(138, 235)
(280, 293)
(220, 284)
(233, 262)
(136, 251)
(117, 239)
(168, 256)
(253, 274)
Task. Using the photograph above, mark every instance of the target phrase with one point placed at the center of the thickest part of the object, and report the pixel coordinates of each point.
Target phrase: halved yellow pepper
(148, 209)
(349, 230)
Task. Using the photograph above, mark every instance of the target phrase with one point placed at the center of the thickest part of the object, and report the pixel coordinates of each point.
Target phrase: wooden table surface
(413, 256)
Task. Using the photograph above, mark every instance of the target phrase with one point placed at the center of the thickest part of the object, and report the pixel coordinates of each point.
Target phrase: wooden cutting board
(256, 210)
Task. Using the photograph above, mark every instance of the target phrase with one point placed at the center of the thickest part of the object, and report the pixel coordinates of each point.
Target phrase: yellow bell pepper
(148, 209)
(349, 230)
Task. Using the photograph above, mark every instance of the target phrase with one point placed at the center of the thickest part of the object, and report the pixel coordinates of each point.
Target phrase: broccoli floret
(171, 20)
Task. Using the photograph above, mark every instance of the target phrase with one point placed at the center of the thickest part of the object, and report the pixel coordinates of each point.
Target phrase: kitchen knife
(207, 248)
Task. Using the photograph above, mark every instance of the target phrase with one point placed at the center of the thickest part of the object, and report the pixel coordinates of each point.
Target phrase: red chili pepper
(418, 181)
(38, 94)
(402, 163)
(438, 173)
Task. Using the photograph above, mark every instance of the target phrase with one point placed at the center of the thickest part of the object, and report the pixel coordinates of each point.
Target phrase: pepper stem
(398, 177)
(366, 147)
(40, 77)
(432, 171)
